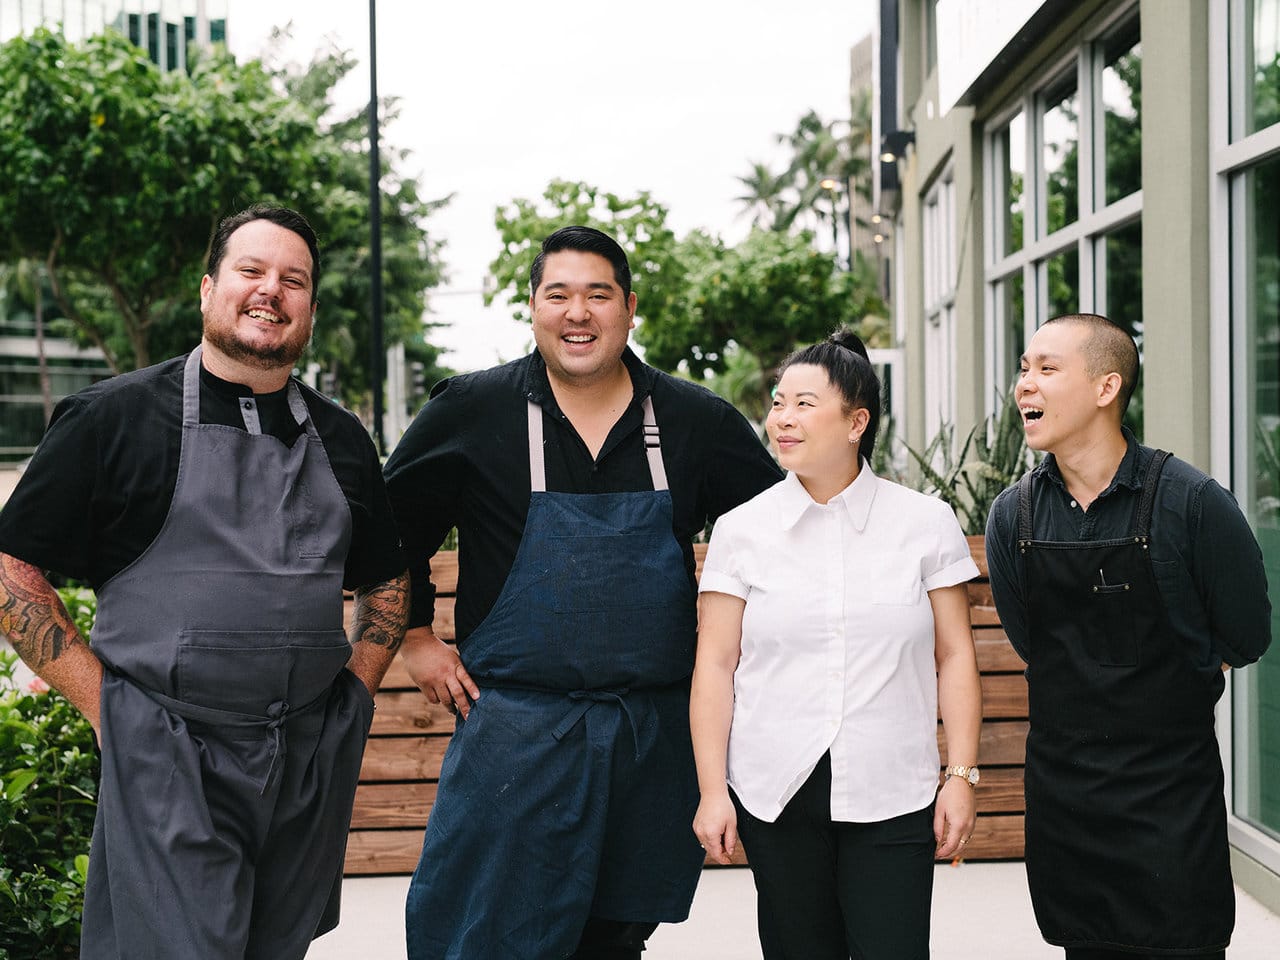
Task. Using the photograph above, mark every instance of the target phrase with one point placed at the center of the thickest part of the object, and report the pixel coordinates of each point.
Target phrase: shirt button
(248, 404)
(1073, 503)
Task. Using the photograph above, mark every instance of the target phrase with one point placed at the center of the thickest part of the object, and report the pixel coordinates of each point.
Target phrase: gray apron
(231, 733)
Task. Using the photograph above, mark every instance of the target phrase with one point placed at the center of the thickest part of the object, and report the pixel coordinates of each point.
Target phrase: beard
(283, 354)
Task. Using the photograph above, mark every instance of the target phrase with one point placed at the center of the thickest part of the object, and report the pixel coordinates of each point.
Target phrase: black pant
(612, 940)
(832, 890)
(1085, 953)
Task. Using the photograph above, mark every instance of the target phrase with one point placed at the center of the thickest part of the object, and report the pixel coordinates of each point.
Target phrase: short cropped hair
(281, 217)
(1109, 348)
(586, 240)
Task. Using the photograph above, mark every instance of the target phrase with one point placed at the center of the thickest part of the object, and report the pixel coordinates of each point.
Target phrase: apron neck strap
(191, 400)
(1149, 483)
(537, 453)
(1025, 525)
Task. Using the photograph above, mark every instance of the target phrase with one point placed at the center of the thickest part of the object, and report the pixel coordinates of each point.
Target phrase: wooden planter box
(402, 761)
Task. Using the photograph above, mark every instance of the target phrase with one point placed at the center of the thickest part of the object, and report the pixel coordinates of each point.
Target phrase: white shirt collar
(857, 498)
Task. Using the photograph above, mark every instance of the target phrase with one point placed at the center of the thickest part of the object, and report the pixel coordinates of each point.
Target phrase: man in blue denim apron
(562, 824)
(1107, 564)
(231, 730)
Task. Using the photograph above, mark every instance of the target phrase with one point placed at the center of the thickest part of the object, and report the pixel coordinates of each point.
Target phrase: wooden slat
(984, 616)
(403, 758)
(407, 712)
(995, 653)
(1004, 696)
(444, 572)
(382, 852)
(979, 593)
(381, 805)
(397, 678)
(997, 837)
(978, 550)
(1002, 742)
(1000, 790)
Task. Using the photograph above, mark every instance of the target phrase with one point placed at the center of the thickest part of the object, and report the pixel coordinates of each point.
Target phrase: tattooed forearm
(32, 615)
(381, 614)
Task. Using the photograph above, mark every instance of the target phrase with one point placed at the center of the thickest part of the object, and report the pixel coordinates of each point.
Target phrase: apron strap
(1146, 503)
(584, 701)
(652, 448)
(248, 405)
(1024, 510)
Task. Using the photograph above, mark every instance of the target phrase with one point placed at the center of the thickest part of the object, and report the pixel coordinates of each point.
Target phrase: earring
(854, 439)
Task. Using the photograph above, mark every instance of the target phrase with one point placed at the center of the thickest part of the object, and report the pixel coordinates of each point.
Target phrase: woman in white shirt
(833, 624)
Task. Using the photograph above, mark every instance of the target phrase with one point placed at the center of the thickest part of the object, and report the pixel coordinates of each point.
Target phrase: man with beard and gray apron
(231, 729)
(561, 826)
(1107, 564)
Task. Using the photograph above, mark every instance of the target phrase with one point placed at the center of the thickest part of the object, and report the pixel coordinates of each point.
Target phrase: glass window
(1062, 283)
(1121, 141)
(1060, 155)
(1011, 331)
(1121, 298)
(1010, 149)
(1262, 69)
(1256, 784)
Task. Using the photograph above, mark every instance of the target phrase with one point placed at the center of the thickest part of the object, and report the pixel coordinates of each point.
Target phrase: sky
(499, 98)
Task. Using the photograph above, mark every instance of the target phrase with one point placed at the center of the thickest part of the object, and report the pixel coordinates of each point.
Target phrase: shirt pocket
(891, 587)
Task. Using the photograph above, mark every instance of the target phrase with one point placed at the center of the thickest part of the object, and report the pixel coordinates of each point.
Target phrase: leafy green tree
(638, 223)
(118, 173)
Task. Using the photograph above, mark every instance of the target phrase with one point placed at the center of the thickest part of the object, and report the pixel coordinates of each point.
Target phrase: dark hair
(281, 217)
(1110, 348)
(843, 356)
(586, 240)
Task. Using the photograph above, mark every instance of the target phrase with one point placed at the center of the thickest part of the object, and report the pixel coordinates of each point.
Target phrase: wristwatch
(969, 775)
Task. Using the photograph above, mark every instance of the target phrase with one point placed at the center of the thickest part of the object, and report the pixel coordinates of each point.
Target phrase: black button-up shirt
(464, 462)
(1207, 563)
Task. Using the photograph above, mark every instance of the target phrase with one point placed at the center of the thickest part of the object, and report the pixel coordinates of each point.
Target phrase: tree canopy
(117, 173)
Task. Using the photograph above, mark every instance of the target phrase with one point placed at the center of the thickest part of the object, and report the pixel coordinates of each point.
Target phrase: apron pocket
(1111, 639)
(247, 671)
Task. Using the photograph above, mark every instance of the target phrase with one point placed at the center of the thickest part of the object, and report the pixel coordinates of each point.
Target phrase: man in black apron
(217, 682)
(1129, 582)
(576, 477)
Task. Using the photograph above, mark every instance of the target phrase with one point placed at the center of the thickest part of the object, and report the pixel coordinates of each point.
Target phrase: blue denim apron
(231, 732)
(569, 791)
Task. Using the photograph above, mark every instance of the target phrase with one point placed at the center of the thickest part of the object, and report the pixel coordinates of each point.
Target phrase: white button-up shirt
(837, 642)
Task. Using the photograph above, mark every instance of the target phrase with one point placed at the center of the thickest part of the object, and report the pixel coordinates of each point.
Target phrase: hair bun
(844, 337)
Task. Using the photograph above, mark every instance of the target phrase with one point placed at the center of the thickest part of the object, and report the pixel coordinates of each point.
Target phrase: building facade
(1119, 157)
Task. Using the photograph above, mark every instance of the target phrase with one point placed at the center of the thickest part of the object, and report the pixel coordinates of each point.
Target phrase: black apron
(1126, 832)
(569, 790)
(231, 732)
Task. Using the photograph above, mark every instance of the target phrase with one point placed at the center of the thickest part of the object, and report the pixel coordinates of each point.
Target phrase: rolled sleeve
(720, 573)
(952, 563)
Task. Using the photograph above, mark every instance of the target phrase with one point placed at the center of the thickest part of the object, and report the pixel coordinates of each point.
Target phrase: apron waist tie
(586, 699)
(272, 724)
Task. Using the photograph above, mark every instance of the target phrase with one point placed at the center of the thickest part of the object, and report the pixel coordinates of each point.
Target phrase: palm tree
(764, 200)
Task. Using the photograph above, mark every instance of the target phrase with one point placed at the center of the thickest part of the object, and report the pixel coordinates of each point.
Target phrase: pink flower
(38, 686)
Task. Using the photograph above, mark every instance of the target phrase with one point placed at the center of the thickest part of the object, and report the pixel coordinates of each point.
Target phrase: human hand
(954, 816)
(438, 671)
(716, 824)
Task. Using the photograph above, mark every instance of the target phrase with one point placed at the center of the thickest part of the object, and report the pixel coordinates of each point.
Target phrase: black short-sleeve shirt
(99, 486)
(464, 462)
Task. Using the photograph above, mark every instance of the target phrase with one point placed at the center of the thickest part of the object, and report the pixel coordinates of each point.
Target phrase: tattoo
(32, 615)
(381, 613)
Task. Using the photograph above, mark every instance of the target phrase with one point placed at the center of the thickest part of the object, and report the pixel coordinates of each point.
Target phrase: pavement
(981, 911)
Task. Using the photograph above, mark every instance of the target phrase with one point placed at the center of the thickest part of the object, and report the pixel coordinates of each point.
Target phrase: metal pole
(376, 349)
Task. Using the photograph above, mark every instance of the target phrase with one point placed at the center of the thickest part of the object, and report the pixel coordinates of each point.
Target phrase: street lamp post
(832, 186)
(376, 351)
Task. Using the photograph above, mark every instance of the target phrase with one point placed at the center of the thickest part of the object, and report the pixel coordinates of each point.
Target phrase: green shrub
(48, 790)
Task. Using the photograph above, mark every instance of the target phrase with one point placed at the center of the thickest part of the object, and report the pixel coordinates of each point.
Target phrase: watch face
(973, 776)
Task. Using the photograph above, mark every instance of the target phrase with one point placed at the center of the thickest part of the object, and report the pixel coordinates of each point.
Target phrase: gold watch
(969, 775)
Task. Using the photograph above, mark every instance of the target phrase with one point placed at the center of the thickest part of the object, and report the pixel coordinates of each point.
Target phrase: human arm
(1230, 578)
(377, 629)
(710, 715)
(960, 704)
(737, 464)
(36, 622)
(438, 671)
(1002, 568)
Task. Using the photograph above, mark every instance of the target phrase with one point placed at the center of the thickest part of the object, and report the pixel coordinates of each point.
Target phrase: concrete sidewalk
(981, 911)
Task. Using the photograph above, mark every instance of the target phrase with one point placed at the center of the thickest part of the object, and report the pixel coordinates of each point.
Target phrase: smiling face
(581, 318)
(812, 433)
(258, 310)
(1060, 402)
